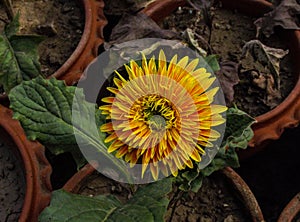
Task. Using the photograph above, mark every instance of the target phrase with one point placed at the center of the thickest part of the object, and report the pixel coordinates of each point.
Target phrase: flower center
(157, 111)
(157, 123)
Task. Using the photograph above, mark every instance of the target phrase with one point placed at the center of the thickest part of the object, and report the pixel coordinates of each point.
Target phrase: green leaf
(18, 56)
(76, 208)
(238, 129)
(191, 180)
(148, 204)
(212, 62)
(223, 159)
(45, 109)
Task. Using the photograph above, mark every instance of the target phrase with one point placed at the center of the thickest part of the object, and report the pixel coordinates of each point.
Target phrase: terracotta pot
(87, 48)
(291, 210)
(270, 125)
(77, 181)
(36, 168)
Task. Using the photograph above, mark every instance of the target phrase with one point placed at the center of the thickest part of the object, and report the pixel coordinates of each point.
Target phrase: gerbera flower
(162, 116)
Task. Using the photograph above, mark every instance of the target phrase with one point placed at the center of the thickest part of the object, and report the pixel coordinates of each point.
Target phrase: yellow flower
(162, 116)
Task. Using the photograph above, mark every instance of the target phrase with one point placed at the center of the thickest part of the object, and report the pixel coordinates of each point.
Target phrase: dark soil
(230, 31)
(97, 184)
(216, 200)
(273, 175)
(12, 180)
(60, 21)
(63, 168)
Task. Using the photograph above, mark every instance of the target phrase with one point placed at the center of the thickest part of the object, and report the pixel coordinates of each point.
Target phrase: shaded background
(274, 174)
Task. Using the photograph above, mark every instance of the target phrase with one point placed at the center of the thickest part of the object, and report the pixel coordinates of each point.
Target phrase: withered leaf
(285, 15)
(273, 94)
(138, 26)
(267, 56)
(265, 82)
(228, 77)
(189, 36)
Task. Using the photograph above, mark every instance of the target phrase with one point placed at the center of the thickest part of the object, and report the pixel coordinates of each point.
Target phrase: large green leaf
(148, 204)
(18, 56)
(45, 109)
(238, 129)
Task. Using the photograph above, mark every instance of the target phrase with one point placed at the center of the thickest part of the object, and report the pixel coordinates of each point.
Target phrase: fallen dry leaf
(273, 94)
(132, 27)
(189, 36)
(285, 15)
(265, 81)
(267, 56)
(228, 77)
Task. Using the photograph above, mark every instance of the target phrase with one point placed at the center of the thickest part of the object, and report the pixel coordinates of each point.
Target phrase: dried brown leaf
(285, 15)
(138, 26)
(267, 56)
(273, 94)
(228, 77)
(266, 82)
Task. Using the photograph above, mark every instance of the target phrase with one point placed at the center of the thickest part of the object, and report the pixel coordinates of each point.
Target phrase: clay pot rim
(249, 200)
(247, 195)
(83, 40)
(291, 210)
(270, 125)
(87, 48)
(37, 169)
(73, 183)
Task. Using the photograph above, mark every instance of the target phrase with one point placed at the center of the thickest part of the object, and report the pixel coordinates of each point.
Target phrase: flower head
(162, 116)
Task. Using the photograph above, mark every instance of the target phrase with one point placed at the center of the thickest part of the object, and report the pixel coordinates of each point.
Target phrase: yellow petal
(111, 138)
(107, 127)
(154, 171)
(113, 90)
(114, 146)
(211, 93)
(183, 62)
(121, 152)
(105, 107)
(108, 99)
(195, 156)
(192, 65)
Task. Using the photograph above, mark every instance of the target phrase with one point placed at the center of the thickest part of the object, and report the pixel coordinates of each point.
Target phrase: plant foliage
(148, 204)
(18, 56)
